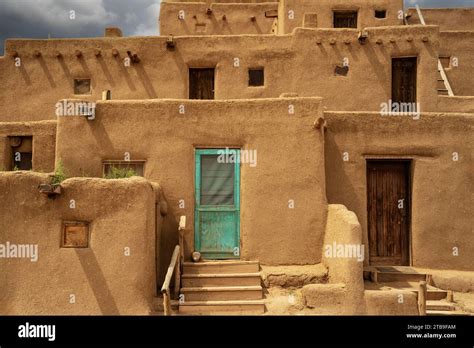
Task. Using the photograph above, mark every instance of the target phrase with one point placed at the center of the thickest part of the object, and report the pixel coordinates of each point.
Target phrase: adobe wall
(293, 63)
(324, 10)
(102, 278)
(447, 18)
(225, 19)
(290, 163)
(459, 45)
(441, 211)
(456, 104)
(44, 139)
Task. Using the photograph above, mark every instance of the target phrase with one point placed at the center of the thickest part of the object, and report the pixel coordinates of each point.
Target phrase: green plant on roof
(59, 174)
(120, 173)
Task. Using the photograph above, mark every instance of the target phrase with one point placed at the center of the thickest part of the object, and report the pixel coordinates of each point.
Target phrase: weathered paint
(217, 226)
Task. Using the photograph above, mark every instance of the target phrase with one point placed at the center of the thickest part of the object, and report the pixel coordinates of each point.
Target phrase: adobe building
(287, 157)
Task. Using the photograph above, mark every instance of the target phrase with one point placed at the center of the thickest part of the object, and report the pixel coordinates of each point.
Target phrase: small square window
(75, 234)
(345, 19)
(445, 61)
(82, 86)
(256, 77)
(380, 13)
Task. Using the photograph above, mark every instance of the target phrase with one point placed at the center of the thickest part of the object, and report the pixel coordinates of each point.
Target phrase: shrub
(120, 173)
(59, 174)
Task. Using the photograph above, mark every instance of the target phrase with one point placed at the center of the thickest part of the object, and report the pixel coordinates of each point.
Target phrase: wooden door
(388, 212)
(404, 80)
(217, 206)
(201, 83)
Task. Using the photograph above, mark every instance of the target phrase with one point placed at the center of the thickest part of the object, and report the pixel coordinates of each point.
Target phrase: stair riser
(436, 295)
(439, 307)
(225, 281)
(400, 277)
(251, 309)
(223, 295)
(206, 269)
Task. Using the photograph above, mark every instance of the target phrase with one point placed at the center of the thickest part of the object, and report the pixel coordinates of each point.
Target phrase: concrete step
(445, 313)
(221, 293)
(440, 305)
(221, 267)
(254, 307)
(220, 279)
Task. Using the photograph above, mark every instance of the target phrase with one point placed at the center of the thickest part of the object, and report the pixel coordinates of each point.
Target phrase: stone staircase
(438, 301)
(221, 288)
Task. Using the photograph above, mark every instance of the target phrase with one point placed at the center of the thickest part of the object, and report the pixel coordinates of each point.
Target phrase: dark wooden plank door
(388, 208)
(201, 83)
(404, 80)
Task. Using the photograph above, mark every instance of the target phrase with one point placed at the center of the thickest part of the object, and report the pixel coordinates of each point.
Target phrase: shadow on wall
(97, 281)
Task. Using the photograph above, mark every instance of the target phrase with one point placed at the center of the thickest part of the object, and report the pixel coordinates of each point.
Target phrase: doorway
(388, 212)
(201, 83)
(404, 80)
(217, 203)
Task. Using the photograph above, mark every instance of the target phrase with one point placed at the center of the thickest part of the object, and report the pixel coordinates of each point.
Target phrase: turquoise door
(217, 208)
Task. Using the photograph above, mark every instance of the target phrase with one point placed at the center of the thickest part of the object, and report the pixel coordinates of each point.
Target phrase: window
(201, 83)
(256, 77)
(345, 19)
(75, 234)
(380, 13)
(82, 86)
(21, 149)
(122, 169)
(445, 61)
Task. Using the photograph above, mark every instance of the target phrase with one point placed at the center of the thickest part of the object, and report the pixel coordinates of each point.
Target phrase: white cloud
(149, 24)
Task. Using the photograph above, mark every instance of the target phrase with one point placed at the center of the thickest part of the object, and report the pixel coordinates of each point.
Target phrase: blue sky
(40, 18)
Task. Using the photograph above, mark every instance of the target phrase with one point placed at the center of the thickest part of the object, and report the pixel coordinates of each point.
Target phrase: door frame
(197, 194)
(415, 57)
(409, 162)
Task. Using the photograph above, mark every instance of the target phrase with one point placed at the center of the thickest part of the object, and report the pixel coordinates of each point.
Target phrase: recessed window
(123, 169)
(380, 13)
(82, 86)
(201, 83)
(21, 152)
(345, 19)
(75, 234)
(256, 77)
(445, 61)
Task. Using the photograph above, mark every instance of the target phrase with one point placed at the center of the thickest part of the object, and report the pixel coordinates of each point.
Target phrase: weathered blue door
(217, 208)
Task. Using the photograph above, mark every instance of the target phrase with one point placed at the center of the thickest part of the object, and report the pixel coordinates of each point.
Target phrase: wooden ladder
(447, 90)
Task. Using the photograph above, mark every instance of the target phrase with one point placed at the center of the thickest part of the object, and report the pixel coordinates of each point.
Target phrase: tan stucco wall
(456, 104)
(441, 212)
(237, 18)
(102, 278)
(459, 45)
(289, 163)
(293, 63)
(44, 138)
(324, 10)
(447, 18)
